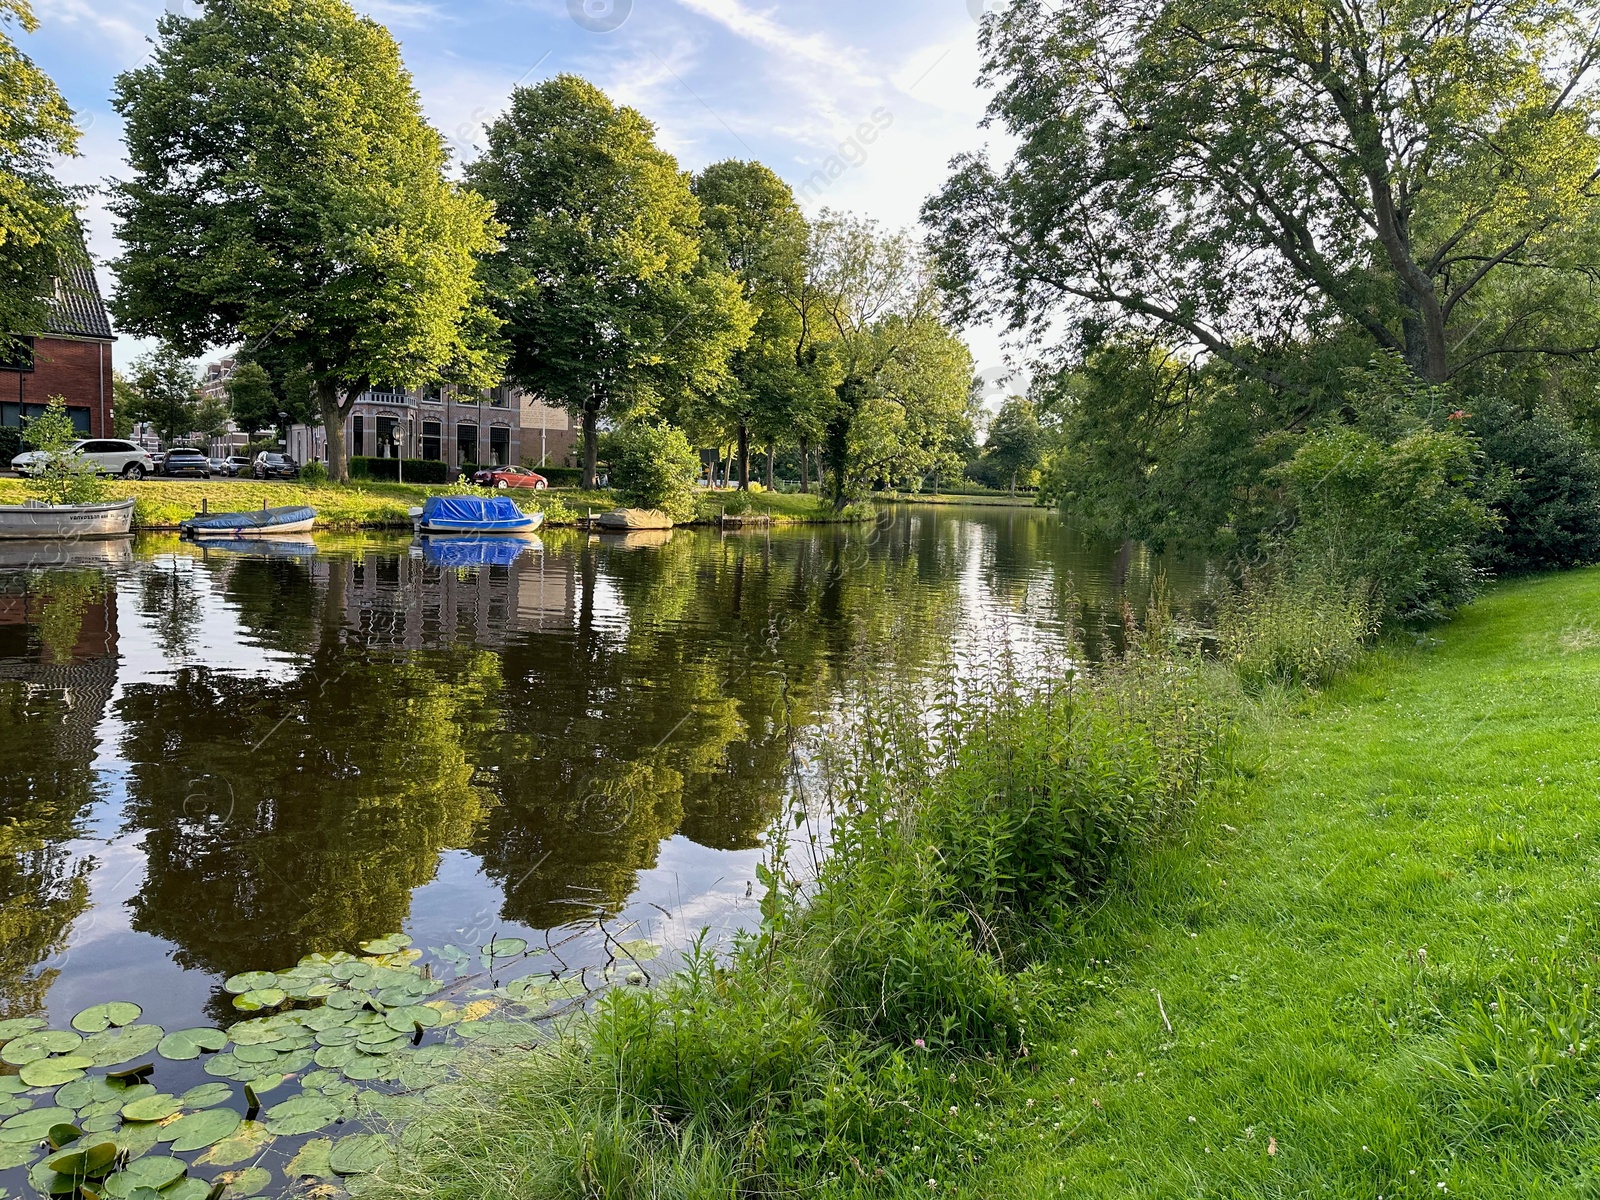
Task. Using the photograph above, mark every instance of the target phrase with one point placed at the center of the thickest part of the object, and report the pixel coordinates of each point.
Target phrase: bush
(314, 473)
(1399, 519)
(387, 470)
(1547, 492)
(653, 466)
(1298, 632)
(561, 476)
(10, 446)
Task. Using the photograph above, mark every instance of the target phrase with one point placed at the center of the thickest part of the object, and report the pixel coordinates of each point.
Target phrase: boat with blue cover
(475, 516)
(457, 553)
(268, 522)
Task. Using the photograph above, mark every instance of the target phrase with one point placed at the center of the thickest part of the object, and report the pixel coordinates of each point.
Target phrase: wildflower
(1191, 1120)
(920, 1044)
(1030, 1102)
(1272, 1147)
(954, 1110)
(1459, 415)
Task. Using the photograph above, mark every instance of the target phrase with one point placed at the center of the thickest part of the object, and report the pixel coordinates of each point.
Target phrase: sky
(790, 84)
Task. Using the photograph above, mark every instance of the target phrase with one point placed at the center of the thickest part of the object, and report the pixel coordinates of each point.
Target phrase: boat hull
(436, 527)
(68, 522)
(268, 523)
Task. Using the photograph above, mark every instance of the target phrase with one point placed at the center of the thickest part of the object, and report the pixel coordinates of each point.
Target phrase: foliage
(286, 192)
(39, 233)
(313, 474)
(653, 466)
(609, 305)
(1548, 495)
(1015, 448)
(1295, 630)
(389, 470)
(1400, 519)
(252, 398)
(63, 477)
(10, 445)
(164, 391)
(1232, 176)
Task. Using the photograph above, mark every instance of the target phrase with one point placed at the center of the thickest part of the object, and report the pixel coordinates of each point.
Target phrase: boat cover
(471, 552)
(265, 518)
(484, 514)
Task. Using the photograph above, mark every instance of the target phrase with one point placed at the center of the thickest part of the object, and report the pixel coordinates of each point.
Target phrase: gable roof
(77, 310)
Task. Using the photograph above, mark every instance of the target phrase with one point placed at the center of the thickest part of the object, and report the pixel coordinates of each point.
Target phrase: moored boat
(267, 522)
(631, 520)
(37, 521)
(474, 516)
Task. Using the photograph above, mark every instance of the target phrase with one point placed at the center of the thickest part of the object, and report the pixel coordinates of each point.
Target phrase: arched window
(499, 445)
(430, 441)
(466, 445)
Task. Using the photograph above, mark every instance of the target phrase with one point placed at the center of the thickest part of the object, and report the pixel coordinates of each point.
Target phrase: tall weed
(1295, 630)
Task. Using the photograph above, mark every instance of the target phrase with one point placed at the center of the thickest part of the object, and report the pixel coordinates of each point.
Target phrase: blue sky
(789, 84)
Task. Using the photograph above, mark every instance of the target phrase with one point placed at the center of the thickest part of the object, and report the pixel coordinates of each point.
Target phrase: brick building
(71, 358)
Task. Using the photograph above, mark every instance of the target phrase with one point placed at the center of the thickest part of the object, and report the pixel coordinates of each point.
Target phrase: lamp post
(399, 459)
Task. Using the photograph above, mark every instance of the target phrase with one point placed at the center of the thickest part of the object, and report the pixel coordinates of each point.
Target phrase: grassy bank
(1069, 951)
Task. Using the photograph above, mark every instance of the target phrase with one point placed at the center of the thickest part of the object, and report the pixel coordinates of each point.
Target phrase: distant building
(498, 427)
(70, 358)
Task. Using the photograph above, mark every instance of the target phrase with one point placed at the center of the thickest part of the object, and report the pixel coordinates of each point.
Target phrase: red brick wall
(80, 372)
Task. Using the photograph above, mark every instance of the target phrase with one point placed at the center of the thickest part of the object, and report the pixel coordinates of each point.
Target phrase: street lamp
(399, 459)
(283, 429)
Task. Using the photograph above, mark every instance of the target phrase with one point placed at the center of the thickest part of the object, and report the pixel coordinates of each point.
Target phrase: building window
(80, 420)
(357, 438)
(466, 445)
(500, 397)
(430, 441)
(15, 416)
(386, 446)
(499, 445)
(433, 394)
(16, 354)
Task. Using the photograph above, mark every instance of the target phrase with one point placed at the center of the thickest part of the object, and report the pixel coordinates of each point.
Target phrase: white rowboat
(37, 521)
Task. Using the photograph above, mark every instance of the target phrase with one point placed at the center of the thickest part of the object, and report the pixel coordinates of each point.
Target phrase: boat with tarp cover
(474, 516)
(267, 522)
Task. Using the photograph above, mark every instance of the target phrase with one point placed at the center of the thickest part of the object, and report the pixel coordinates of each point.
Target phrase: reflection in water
(322, 747)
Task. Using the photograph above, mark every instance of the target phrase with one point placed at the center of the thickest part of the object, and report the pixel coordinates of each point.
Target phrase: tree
(894, 361)
(164, 391)
(286, 191)
(1016, 445)
(609, 305)
(38, 221)
(653, 466)
(61, 477)
(1234, 175)
(755, 231)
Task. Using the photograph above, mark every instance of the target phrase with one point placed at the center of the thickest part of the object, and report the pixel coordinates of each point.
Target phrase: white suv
(112, 457)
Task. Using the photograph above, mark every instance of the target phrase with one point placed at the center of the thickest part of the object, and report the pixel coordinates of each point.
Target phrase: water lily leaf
(62, 1135)
(407, 1017)
(259, 998)
(255, 1054)
(17, 1154)
(385, 945)
(187, 1044)
(152, 1108)
(31, 1047)
(246, 1143)
(189, 1189)
(506, 947)
(116, 1046)
(101, 1123)
(336, 1058)
(345, 1001)
(94, 1090)
(103, 1016)
(154, 1172)
(86, 1162)
(252, 1181)
(365, 1068)
(312, 1161)
(415, 1076)
(17, 1026)
(207, 1095)
(222, 1065)
(32, 1125)
(139, 1139)
(359, 1154)
(249, 981)
(339, 1035)
(454, 955)
(53, 1072)
(51, 1183)
(300, 1115)
(199, 1130)
(132, 1075)
(641, 950)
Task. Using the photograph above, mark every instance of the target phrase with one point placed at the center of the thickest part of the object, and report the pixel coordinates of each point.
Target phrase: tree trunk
(591, 441)
(333, 428)
(744, 456)
(805, 466)
(772, 452)
(838, 455)
(1013, 485)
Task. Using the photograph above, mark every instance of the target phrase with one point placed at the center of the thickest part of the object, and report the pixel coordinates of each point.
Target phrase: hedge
(561, 476)
(10, 446)
(418, 470)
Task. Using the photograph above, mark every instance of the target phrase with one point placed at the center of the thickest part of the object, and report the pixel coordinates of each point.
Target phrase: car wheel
(502, 485)
(133, 471)
(540, 486)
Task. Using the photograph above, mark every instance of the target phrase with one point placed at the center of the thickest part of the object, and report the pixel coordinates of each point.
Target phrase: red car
(511, 477)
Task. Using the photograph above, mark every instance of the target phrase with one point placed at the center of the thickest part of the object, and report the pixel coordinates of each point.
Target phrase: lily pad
(301, 1114)
(153, 1171)
(202, 1129)
(103, 1016)
(32, 1125)
(187, 1044)
(312, 1161)
(31, 1047)
(260, 998)
(409, 1016)
(506, 947)
(252, 1181)
(140, 1139)
(17, 1026)
(17, 1154)
(152, 1108)
(246, 1142)
(62, 1135)
(85, 1161)
(189, 1189)
(117, 1046)
(90, 1091)
(53, 1072)
(641, 950)
(207, 1095)
(359, 1154)
(386, 945)
(51, 1183)
(249, 981)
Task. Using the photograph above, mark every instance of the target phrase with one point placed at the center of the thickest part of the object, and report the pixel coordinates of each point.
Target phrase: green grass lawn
(1368, 972)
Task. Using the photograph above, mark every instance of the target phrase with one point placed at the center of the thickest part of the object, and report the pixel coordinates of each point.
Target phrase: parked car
(219, 466)
(184, 460)
(238, 464)
(511, 477)
(158, 459)
(111, 457)
(274, 466)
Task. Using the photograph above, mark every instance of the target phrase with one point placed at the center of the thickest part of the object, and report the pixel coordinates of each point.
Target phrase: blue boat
(268, 522)
(456, 553)
(474, 516)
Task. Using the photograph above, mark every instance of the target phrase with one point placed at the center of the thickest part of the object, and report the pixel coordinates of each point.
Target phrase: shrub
(64, 478)
(10, 446)
(417, 470)
(314, 473)
(1547, 494)
(561, 476)
(1295, 631)
(1399, 518)
(653, 466)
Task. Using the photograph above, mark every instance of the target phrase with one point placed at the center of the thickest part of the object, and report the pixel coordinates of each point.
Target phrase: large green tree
(610, 306)
(163, 390)
(287, 191)
(755, 231)
(1235, 175)
(37, 217)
